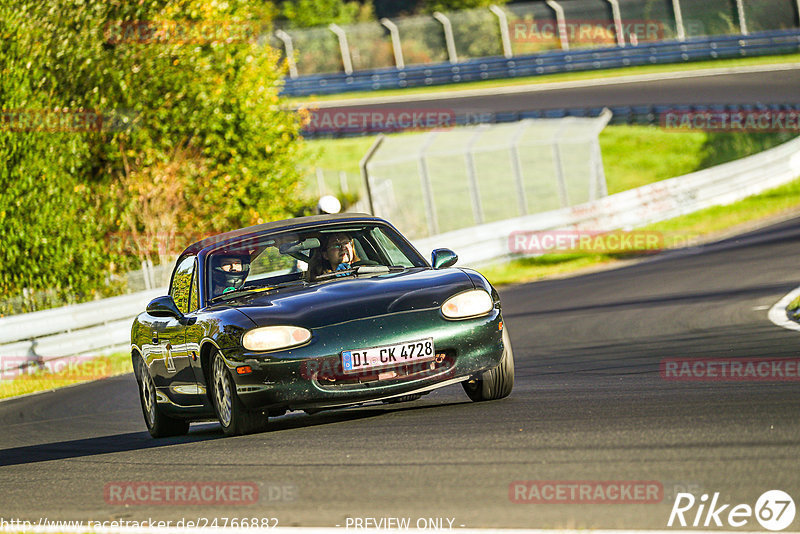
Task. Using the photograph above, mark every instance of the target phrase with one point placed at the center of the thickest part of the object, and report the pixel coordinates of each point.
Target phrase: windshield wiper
(337, 274)
(239, 292)
(361, 269)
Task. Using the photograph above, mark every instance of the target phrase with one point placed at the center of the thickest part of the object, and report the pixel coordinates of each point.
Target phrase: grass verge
(44, 380)
(700, 226)
(633, 156)
(550, 78)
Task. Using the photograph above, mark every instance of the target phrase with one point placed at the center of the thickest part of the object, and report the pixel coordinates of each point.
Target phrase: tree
(310, 13)
(430, 6)
(194, 104)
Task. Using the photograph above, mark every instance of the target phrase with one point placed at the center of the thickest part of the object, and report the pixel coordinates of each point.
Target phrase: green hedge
(193, 130)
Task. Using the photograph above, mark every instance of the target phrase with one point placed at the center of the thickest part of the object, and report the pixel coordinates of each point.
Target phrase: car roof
(285, 224)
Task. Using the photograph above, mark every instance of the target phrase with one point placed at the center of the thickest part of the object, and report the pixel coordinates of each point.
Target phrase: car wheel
(234, 417)
(495, 383)
(158, 424)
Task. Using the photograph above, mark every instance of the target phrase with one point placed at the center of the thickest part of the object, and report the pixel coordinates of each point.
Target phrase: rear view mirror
(299, 246)
(441, 258)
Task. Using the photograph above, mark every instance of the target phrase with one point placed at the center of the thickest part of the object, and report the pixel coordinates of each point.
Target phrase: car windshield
(303, 257)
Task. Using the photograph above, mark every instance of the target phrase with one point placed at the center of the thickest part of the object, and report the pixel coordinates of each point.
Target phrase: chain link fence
(522, 29)
(440, 181)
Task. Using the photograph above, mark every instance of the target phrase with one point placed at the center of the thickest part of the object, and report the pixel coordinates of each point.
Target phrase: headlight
(468, 304)
(275, 337)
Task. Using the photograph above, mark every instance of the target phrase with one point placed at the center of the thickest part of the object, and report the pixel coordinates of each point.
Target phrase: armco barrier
(104, 326)
(95, 327)
(639, 115)
(709, 48)
(655, 202)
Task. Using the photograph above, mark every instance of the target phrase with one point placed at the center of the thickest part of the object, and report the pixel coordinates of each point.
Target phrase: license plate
(421, 350)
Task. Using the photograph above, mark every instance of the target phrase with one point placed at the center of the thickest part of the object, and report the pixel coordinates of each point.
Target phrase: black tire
(233, 415)
(495, 383)
(158, 424)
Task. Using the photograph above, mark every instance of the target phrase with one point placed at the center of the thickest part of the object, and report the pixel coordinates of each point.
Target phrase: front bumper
(310, 376)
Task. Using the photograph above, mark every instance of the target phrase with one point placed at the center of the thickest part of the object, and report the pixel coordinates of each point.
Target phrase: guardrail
(104, 326)
(709, 48)
(98, 327)
(639, 115)
(655, 202)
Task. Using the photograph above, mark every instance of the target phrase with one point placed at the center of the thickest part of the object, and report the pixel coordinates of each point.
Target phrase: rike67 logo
(774, 510)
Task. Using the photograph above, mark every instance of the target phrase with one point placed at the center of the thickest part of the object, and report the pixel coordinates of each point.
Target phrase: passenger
(228, 273)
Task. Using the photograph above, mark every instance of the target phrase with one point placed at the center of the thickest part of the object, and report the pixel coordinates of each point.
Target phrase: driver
(228, 273)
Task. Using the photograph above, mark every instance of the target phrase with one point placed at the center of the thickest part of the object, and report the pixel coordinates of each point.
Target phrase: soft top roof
(285, 224)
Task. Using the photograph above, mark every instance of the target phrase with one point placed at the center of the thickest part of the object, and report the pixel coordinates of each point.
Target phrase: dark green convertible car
(310, 314)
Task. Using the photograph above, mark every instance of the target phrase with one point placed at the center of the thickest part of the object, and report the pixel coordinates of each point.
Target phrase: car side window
(181, 284)
(194, 296)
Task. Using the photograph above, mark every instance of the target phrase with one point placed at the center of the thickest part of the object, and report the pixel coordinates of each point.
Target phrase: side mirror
(442, 258)
(164, 307)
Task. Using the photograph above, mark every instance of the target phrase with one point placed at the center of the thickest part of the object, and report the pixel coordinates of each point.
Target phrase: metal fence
(550, 62)
(440, 181)
(716, 186)
(523, 29)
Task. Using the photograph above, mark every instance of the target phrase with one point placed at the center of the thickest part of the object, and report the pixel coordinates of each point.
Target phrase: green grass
(783, 199)
(340, 154)
(694, 227)
(633, 156)
(98, 368)
(549, 78)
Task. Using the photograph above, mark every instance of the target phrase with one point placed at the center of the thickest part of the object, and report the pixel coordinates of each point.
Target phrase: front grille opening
(332, 376)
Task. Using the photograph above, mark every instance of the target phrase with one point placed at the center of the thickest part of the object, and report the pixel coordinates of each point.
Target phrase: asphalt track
(743, 88)
(589, 404)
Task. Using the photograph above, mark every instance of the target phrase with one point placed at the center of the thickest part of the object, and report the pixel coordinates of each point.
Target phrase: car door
(171, 365)
(194, 334)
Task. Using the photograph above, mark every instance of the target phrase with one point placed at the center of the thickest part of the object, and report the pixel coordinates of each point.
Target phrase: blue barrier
(709, 48)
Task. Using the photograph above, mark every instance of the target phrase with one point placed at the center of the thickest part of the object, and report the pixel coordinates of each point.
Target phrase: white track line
(540, 87)
(777, 314)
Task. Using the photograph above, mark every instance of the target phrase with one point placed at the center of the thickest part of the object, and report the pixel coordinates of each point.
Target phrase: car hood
(342, 300)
